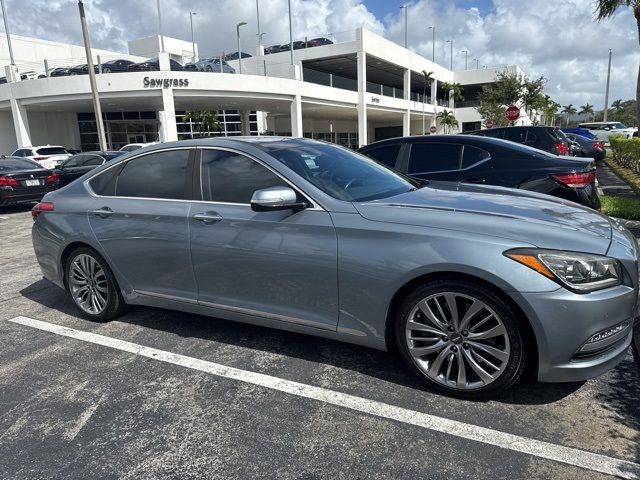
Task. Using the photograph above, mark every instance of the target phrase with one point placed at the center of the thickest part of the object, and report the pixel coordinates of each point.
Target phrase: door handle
(103, 212)
(209, 217)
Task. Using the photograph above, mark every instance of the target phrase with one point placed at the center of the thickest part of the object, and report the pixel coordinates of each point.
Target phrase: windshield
(340, 173)
(16, 164)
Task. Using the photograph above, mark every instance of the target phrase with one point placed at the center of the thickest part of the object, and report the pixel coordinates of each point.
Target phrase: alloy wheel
(457, 340)
(88, 284)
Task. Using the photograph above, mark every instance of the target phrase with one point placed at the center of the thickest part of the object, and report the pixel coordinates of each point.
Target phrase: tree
(205, 120)
(617, 105)
(568, 110)
(428, 80)
(587, 109)
(447, 120)
(605, 9)
(532, 97)
(508, 89)
(456, 91)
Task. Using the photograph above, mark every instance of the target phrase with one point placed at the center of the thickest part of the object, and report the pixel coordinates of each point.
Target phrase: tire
(208, 68)
(106, 70)
(451, 340)
(101, 286)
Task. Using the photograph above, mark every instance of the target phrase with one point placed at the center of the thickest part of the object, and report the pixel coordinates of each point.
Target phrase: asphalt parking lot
(163, 394)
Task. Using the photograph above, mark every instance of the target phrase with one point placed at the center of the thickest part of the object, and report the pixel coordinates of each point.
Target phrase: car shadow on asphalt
(373, 363)
(20, 207)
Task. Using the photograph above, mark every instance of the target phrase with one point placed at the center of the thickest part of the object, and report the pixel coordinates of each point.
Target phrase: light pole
(6, 31)
(290, 33)
(160, 26)
(406, 31)
(92, 79)
(451, 42)
(606, 92)
(477, 63)
(433, 44)
(466, 57)
(193, 43)
(258, 20)
(239, 51)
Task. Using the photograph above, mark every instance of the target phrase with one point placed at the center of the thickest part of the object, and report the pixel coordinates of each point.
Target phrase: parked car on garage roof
(116, 66)
(235, 56)
(213, 65)
(491, 161)
(549, 139)
(46, 155)
(316, 42)
(22, 180)
(471, 283)
(153, 64)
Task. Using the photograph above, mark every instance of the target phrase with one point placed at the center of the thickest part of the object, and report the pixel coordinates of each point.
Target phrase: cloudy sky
(556, 38)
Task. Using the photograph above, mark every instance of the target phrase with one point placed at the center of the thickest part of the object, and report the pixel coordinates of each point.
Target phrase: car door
(434, 161)
(140, 218)
(280, 265)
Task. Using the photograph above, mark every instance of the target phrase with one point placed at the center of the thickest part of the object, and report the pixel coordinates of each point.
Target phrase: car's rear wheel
(92, 285)
(460, 337)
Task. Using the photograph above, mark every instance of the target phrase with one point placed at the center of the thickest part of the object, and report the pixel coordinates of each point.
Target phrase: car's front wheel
(460, 337)
(92, 285)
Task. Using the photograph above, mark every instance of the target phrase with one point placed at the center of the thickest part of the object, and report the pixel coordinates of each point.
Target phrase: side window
(494, 133)
(434, 157)
(386, 154)
(472, 155)
(517, 135)
(104, 184)
(232, 177)
(157, 175)
(21, 153)
(74, 161)
(92, 160)
(531, 137)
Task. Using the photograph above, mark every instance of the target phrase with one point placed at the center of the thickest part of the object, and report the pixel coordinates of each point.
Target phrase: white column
(434, 92)
(167, 117)
(296, 117)
(163, 61)
(406, 123)
(407, 84)
(245, 124)
(18, 111)
(362, 104)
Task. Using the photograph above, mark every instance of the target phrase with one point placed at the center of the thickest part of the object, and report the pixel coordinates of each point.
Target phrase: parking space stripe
(546, 450)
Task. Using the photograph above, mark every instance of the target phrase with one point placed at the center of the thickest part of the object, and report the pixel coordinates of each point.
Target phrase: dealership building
(355, 91)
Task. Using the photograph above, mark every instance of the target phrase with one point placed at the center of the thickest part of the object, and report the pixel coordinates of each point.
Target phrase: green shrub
(626, 152)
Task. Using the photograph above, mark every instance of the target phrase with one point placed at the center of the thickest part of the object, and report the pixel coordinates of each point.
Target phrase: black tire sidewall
(511, 322)
(115, 302)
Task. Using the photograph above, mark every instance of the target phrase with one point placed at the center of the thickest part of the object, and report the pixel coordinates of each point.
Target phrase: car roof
(459, 138)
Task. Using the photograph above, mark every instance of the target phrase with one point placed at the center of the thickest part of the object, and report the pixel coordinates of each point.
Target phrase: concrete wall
(148, 47)
(7, 134)
(55, 128)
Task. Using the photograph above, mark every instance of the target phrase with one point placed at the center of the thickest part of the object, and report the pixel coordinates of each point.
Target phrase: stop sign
(512, 113)
(433, 129)
(488, 124)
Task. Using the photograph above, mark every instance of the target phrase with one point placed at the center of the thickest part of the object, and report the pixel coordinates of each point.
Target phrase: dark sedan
(153, 64)
(475, 159)
(23, 180)
(588, 148)
(116, 66)
(76, 166)
(65, 71)
(549, 139)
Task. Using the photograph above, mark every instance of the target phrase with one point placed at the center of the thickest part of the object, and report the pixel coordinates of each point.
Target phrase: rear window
(434, 157)
(112, 155)
(386, 154)
(51, 151)
(130, 148)
(473, 155)
(16, 164)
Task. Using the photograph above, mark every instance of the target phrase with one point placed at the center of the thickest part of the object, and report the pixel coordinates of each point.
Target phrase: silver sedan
(469, 283)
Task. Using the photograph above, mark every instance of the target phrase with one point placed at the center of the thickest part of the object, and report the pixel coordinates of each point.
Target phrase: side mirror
(276, 198)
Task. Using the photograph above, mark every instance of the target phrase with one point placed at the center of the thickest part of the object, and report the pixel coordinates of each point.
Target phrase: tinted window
(92, 161)
(51, 151)
(111, 155)
(105, 183)
(157, 175)
(434, 157)
(531, 136)
(472, 155)
(386, 154)
(493, 133)
(74, 161)
(517, 135)
(16, 164)
(130, 148)
(232, 178)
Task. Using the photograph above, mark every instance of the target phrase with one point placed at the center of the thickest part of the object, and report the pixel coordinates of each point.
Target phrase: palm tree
(447, 120)
(605, 9)
(587, 109)
(205, 120)
(568, 110)
(446, 86)
(428, 82)
(456, 90)
(617, 105)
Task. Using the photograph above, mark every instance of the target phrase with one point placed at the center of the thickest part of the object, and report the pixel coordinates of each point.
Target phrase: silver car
(213, 65)
(469, 283)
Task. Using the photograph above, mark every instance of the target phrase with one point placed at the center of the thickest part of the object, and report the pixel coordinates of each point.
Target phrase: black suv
(549, 139)
(475, 159)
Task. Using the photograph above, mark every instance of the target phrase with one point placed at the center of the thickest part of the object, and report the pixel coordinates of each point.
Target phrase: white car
(46, 155)
(130, 147)
(603, 130)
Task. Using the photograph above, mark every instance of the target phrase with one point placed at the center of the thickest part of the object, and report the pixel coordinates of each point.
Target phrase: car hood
(531, 218)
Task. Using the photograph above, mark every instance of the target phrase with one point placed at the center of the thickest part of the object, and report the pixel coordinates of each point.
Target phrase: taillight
(562, 149)
(8, 182)
(575, 180)
(41, 207)
(38, 159)
(599, 145)
(52, 179)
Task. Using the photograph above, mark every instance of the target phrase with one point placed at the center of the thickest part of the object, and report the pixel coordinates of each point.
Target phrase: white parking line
(537, 448)
(4, 218)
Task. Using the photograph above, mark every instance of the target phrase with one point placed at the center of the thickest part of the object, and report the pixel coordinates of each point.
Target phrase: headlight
(579, 272)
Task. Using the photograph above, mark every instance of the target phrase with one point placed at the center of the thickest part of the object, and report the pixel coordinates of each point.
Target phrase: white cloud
(558, 39)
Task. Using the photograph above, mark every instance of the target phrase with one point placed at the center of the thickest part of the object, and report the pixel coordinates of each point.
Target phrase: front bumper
(564, 322)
